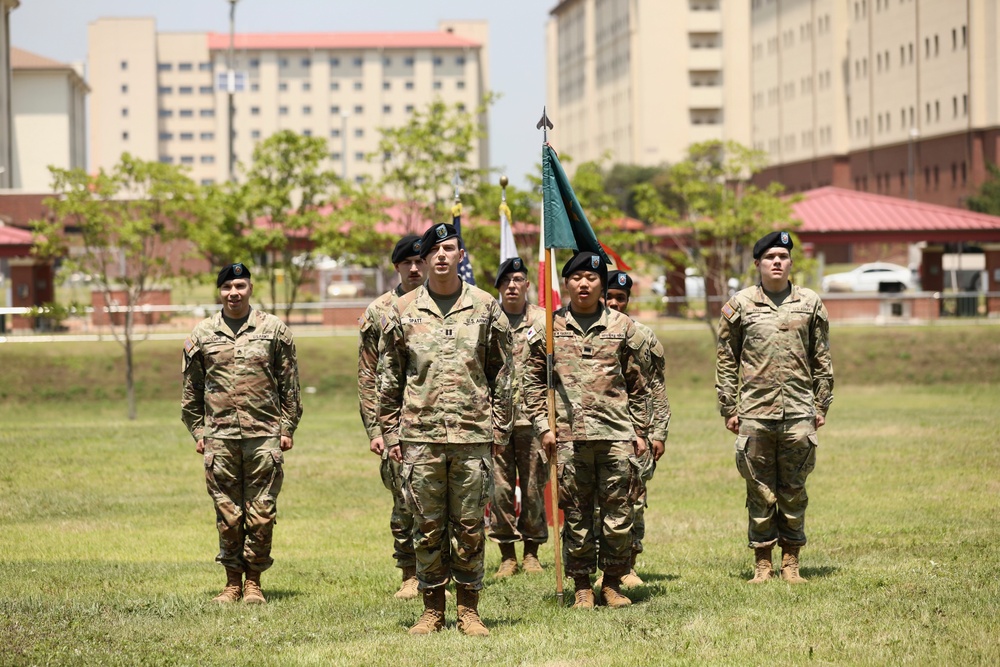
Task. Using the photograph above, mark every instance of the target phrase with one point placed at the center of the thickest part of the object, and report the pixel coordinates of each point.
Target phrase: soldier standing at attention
(522, 461)
(412, 270)
(241, 404)
(602, 419)
(774, 379)
(444, 402)
(618, 294)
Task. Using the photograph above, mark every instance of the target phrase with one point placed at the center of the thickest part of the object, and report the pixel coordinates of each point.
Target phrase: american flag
(464, 267)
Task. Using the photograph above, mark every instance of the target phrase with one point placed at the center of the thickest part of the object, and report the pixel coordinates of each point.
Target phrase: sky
(57, 29)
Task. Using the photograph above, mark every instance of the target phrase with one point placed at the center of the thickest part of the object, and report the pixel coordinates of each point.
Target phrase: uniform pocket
(742, 464)
(386, 471)
(635, 485)
(406, 487)
(486, 469)
(225, 509)
(277, 473)
(809, 463)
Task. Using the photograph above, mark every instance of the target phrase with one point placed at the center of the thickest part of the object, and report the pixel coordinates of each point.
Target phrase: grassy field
(108, 535)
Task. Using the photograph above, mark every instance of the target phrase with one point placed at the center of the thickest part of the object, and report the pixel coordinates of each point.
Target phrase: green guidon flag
(566, 224)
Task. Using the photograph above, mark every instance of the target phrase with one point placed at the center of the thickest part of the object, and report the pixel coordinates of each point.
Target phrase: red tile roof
(340, 40)
(833, 210)
(14, 236)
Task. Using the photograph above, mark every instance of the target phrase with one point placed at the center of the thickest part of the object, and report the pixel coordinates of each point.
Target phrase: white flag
(508, 249)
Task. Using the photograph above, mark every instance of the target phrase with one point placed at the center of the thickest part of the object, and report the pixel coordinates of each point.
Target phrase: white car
(868, 278)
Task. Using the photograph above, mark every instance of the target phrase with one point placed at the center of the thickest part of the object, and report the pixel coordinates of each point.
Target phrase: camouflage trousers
(647, 466)
(244, 478)
(599, 484)
(522, 460)
(775, 457)
(401, 519)
(447, 488)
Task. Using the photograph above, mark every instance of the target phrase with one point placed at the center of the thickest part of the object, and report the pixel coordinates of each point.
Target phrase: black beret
(586, 261)
(408, 246)
(772, 240)
(436, 234)
(620, 280)
(512, 265)
(231, 272)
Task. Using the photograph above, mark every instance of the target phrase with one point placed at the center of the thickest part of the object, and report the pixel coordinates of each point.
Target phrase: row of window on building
(786, 40)
(932, 114)
(808, 139)
(336, 62)
(932, 180)
(787, 92)
(861, 7)
(883, 62)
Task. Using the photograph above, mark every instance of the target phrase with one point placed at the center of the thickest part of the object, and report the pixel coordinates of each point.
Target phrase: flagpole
(545, 124)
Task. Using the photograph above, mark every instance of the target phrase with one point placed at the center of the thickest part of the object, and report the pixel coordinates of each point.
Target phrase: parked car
(869, 278)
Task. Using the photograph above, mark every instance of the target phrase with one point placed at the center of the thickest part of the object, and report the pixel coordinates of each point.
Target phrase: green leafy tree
(420, 158)
(987, 197)
(718, 213)
(128, 226)
(285, 212)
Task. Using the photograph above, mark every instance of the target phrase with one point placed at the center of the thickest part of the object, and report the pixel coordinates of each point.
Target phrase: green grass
(107, 534)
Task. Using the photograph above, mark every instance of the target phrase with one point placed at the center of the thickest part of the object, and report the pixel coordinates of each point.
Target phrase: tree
(420, 159)
(287, 210)
(129, 223)
(721, 214)
(987, 197)
(591, 187)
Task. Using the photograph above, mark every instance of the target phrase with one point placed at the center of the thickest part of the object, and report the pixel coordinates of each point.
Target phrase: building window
(208, 159)
(409, 108)
(124, 136)
(954, 174)
(937, 45)
(937, 109)
(282, 62)
(460, 84)
(307, 133)
(334, 85)
(207, 113)
(335, 155)
(461, 107)
(124, 112)
(204, 67)
(164, 67)
(954, 39)
(460, 60)
(254, 111)
(282, 87)
(334, 133)
(437, 85)
(282, 111)
(166, 113)
(334, 62)
(306, 86)
(358, 85)
(358, 62)
(208, 181)
(185, 90)
(207, 136)
(911, 53)
(185, 67)
(359, 133)
(124, 65)
(165, 90)
(386, 85)
(206, 90)
(187, 136)
(166, 136)
(963, 36)
(335, 110)
(254, 63)
(408, 61)
(186, 113)
(124, 88)
(386, 108)
(306, 63)
(965, 104)
(954, 107)
(359, 156)
(307, 110)
(387, 62)
(254, 87)
(437, 60)
(409, 85)
(187, 159)
(358, 109)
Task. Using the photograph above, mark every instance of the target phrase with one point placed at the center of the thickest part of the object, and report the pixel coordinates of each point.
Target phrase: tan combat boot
(410, 587)
(584, 593)
(432, 620)
(508, 564)
(233, 590)
(763, 570)
(790, 565)
(530, 563)
(611, 593)
(631, 580)
(469, 622)
(251, 589)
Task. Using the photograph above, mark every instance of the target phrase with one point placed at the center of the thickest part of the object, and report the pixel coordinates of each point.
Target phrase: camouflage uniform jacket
(599, 381)
(242, 386)
(371, 334)
(656, 381)
(780, 353)
(446, 378)
(533, 321)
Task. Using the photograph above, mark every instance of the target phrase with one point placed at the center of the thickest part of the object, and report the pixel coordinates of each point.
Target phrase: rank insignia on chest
(587, 352)
(449, 333)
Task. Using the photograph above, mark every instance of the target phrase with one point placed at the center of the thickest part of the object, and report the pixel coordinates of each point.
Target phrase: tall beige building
(48, 105)
(897, 97)
(641, 80)
(155, 94)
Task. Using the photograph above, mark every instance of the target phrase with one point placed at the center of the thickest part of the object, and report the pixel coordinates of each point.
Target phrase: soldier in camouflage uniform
(522, 463)
(444, 402)
(412, 270)
(602, 418)
(618, 294)
(241, 404)
(774, 380)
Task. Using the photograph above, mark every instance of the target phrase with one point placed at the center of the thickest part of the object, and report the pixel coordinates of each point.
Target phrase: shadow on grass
(820, 572)
(451, 625)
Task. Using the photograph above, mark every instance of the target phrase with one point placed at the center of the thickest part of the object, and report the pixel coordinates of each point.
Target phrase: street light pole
(231, 87)
(911, 161)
